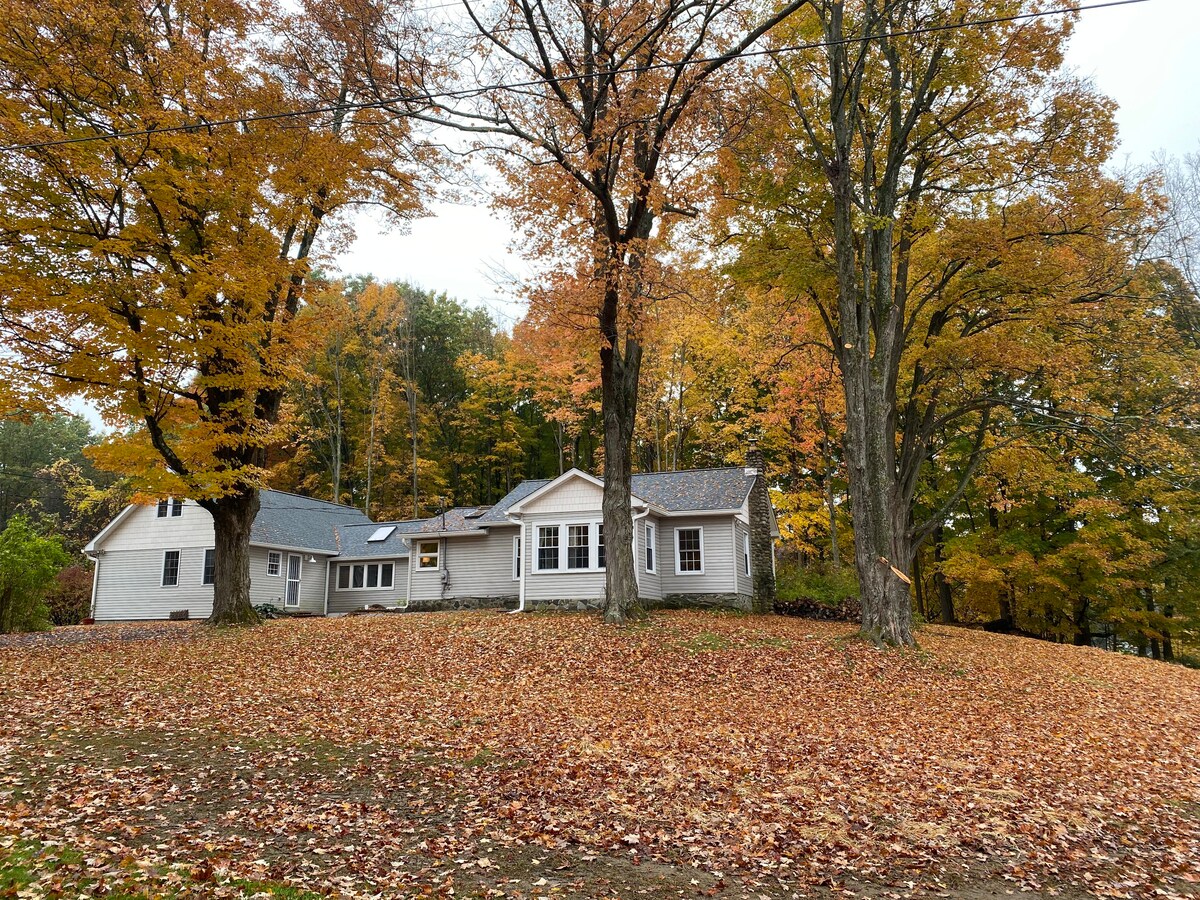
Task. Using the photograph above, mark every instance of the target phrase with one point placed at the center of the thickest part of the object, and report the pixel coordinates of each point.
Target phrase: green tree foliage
(30, 444)
(28, 564)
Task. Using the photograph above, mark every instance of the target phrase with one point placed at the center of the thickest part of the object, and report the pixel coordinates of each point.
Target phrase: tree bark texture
(233, 517)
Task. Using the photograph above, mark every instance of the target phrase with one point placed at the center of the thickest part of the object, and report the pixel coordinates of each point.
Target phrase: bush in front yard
(69, 598)
(28, 563)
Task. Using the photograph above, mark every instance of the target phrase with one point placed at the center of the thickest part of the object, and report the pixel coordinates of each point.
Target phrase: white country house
(702, 537)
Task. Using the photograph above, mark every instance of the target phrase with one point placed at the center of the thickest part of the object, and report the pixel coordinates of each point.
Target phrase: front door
(291, 596)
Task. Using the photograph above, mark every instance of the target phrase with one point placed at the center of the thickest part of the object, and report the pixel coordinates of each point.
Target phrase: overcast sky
(1144, 56)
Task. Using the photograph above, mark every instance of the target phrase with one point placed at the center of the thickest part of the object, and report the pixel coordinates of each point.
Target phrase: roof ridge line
(313, 499)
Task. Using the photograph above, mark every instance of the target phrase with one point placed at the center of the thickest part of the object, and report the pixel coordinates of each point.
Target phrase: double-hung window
(170, 572)
(689, 551)
(210, 567)
(600, 558)
(651, 542)
(579, 546)
(547, 547)
(746, 554)
(427, 554)
(274, 562)
(170, 505)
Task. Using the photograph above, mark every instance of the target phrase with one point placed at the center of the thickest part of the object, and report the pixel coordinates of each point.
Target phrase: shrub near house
(28, 563)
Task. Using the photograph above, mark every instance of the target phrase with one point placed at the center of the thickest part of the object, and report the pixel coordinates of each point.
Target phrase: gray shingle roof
(495, 515)
(354, 544)
(697, 489)
(289, 520)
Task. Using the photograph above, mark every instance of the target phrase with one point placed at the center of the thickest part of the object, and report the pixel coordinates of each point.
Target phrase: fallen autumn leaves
(535, 755)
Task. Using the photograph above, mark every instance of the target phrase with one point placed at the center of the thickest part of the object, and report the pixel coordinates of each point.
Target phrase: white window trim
(563, 527)
(162, 572)
(207, 551)
(517, 561)
(436, 554)
(278, 563)
(350, 589)
(678, 570)
(651, 535)
(746, 554)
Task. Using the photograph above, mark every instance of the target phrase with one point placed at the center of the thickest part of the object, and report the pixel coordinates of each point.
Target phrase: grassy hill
(485, 754)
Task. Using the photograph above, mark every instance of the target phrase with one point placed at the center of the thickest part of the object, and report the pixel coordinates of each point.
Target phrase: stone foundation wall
(575, 604)
(453, 603)
(703, 601)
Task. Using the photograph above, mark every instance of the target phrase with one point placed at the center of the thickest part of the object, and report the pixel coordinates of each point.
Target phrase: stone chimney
(762, 545)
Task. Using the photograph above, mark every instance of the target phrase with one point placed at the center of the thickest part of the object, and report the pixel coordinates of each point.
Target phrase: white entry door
(291, 596)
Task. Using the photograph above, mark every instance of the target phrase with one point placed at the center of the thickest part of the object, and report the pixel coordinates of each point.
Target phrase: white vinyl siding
(572, 497)
(719, 557)
(129, 583)
(479, 566)
(741, 538)
(347, 600)
(560, 583)
(649, 537)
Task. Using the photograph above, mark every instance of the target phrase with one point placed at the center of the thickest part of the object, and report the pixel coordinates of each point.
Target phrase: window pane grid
(210, 567)
(548, 547)
(690, 554)
(578, 546)
(171, 568)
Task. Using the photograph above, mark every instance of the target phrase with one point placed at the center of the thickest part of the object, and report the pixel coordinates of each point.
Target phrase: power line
(459, 93)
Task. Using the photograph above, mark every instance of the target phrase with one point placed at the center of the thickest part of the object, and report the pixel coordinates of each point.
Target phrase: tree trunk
(835, 553)
(233, 517)
(883, 548)
(619, 375)
(945, 595)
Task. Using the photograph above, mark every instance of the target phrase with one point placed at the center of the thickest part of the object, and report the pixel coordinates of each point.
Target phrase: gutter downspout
(408, 588)
(521, 581)
(637, 576)
(95, 582)
(328, 570)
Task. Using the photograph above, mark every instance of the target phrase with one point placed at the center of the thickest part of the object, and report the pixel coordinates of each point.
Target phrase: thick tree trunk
(619, 373)
(233, 517)
(883, 550)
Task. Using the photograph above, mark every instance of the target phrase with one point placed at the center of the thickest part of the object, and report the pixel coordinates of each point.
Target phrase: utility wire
(483, 89)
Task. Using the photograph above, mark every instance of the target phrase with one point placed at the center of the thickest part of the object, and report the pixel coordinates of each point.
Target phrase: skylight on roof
(381, 534)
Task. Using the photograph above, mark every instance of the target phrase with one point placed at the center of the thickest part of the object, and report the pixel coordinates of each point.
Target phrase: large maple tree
(161, 215)
(928, 183)
(598, 129)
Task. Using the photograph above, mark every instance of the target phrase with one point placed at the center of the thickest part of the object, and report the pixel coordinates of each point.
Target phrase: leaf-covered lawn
(485, 754)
